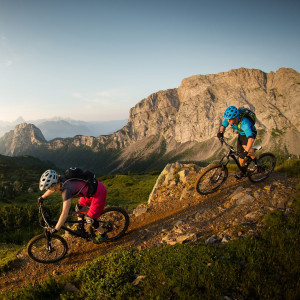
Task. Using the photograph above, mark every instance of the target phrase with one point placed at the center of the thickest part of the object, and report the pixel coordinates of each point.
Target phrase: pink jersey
(74, 189)
(79, 189)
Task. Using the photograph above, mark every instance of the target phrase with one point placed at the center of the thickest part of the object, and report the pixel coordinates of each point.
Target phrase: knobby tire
(115, 222)
(265, 165)
(211, 178)
(37, 248)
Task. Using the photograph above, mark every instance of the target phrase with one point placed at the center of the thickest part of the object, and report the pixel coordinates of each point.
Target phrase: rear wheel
(115, 221)
(211, 179)
(47, 249)
(265, 165)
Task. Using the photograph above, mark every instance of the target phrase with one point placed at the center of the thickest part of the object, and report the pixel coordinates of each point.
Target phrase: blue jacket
(247, 128)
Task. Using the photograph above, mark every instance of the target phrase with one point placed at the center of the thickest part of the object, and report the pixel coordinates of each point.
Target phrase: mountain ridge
(182, 123)
(58, 127)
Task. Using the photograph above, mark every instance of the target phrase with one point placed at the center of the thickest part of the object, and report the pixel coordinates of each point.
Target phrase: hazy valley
(65, 128)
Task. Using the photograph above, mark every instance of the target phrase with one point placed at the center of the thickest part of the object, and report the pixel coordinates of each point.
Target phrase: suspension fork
(48, 235)
(48, 241)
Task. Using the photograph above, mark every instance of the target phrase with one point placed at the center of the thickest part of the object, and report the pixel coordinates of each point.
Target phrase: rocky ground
(175, 214)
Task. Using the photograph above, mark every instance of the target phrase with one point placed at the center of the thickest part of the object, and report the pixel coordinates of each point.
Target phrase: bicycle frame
(53, 222)
(83, 234)
(231, 153)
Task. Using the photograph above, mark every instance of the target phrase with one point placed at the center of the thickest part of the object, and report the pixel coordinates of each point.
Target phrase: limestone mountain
(182, 123)
(21, 140)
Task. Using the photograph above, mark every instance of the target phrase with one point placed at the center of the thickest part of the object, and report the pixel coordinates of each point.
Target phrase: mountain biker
(246, 135)
(93, 206)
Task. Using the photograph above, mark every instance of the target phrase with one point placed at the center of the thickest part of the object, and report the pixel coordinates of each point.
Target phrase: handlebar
(222, 141)
(41, 200)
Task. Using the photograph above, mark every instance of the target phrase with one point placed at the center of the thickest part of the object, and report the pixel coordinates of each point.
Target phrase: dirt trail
(148, 229)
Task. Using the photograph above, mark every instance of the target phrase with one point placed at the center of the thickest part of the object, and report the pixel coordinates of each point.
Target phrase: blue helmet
(231, 112)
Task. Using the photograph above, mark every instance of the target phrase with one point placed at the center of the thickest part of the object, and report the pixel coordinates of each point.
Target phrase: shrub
(290, 167)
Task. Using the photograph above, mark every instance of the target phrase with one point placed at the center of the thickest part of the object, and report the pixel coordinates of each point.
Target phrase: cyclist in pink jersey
(93, 205)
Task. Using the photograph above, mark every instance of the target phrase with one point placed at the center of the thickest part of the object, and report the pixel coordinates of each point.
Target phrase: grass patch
(291, 167)
(232, 167)
(8, 255)
(128, 190)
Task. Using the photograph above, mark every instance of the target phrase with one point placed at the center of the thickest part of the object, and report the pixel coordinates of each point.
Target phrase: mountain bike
(49, 248)
(212, 177)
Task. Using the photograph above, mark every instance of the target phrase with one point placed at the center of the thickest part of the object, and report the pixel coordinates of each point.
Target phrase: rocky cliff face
(184, 121)
(191, 115)
(193, 112)
(22, 139)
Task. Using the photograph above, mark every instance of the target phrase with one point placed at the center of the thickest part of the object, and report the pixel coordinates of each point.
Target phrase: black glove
(40, 200)
(243, 154)
(220, 135)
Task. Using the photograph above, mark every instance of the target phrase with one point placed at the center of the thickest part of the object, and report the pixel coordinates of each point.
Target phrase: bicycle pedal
(253, 168)
(240, 176)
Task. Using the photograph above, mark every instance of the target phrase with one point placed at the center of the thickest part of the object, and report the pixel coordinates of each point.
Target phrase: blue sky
(93, 60)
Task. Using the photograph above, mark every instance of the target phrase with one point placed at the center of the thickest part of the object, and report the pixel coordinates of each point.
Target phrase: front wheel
(115, 221)
(265, 165)
(47, 249)
(211, 179)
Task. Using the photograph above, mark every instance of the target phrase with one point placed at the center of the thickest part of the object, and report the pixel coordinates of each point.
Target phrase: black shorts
(243, 141)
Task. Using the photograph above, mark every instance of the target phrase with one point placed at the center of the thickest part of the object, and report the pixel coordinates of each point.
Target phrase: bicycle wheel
(47, 250)
(265, 165)
(211, 179)
(115, 221)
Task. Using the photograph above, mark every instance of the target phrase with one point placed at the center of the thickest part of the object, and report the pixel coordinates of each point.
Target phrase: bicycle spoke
(211, 179)
(114, 221)
(265, 165)
(42, 250)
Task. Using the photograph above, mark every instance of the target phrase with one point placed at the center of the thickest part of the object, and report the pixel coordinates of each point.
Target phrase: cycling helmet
(231, 112)
(47, 179)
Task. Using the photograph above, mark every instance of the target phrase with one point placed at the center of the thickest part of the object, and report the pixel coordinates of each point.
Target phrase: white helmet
(47, 179)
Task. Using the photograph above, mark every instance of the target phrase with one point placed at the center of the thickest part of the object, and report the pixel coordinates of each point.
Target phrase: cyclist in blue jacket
(246, 134)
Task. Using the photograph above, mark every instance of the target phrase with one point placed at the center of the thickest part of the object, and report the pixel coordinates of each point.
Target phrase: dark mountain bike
(216, 174)
(49, 248)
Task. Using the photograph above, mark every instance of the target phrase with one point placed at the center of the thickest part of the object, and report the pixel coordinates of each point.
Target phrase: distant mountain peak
(19, 120)
(23, 137)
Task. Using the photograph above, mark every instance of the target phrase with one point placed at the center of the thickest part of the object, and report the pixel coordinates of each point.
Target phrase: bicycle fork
(217, 175)
(48, 245)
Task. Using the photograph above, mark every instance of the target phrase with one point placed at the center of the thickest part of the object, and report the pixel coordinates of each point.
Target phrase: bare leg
(250, 153)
